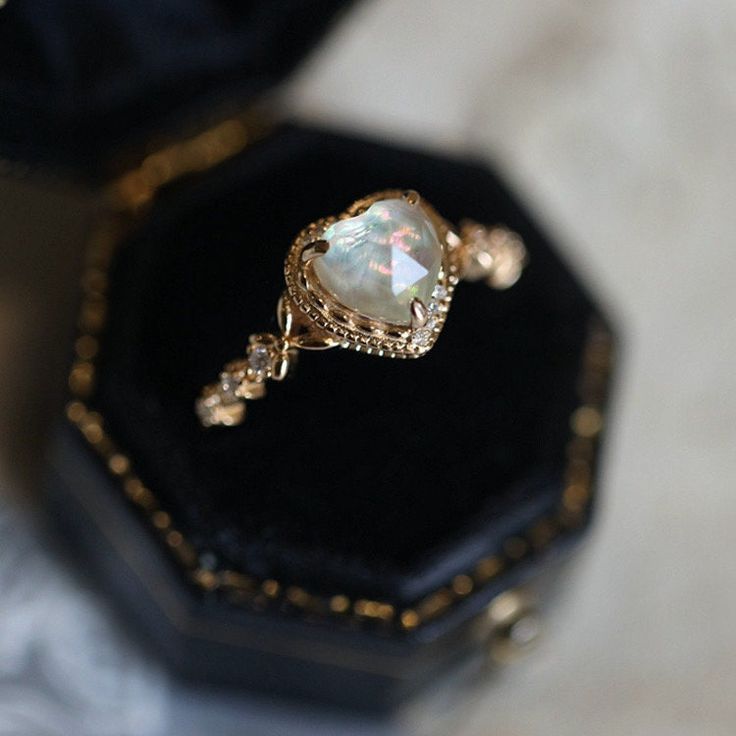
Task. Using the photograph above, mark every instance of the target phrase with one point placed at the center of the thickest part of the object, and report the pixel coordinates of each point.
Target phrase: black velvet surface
(360, 472)
(81, 80)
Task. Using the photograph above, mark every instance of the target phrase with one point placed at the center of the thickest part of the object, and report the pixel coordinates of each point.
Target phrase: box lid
(80, 81)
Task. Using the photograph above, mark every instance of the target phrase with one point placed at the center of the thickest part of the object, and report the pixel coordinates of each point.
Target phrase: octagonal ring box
(345, 542)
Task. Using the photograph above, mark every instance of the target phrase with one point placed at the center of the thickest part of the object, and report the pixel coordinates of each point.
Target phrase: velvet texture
(361, 475)
(79, 81)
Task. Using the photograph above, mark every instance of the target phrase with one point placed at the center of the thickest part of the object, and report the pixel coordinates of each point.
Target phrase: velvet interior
(359, 471)
(80, 80)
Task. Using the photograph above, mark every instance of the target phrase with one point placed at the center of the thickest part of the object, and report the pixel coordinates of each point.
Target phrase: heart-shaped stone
(381, 260)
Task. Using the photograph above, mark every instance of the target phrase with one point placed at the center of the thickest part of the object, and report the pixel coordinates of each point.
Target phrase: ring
(378, 279)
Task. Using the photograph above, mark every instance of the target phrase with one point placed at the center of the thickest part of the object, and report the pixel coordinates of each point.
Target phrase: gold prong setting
(314, 249)
(419, 313)
(411, 196)
(425, 333)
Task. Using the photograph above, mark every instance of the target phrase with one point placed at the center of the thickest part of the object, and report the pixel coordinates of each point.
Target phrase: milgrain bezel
(318, 321)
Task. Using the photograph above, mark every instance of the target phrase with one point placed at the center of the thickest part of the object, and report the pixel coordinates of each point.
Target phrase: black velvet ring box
(346, 541)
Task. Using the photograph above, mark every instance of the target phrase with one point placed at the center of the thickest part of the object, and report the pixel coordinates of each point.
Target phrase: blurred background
(616, 122)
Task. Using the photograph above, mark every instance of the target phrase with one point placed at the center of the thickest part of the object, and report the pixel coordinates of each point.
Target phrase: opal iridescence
(379, 261)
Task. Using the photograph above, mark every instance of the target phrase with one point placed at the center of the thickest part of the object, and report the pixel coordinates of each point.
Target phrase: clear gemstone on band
(422, 337)
(380, 260)
(259, 360)
(439, 292)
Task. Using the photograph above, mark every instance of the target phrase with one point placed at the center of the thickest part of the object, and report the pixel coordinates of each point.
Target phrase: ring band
(378, 278)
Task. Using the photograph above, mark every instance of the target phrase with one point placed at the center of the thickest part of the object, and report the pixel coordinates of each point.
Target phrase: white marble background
(616, 120)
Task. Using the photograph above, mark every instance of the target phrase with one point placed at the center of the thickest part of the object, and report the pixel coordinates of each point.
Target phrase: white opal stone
(379, 261)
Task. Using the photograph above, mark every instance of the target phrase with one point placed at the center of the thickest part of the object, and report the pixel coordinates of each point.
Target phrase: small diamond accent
(422, 337)
(259, 360)
(439, 293)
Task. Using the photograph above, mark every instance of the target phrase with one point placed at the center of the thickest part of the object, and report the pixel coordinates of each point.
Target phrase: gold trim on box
(130, 195)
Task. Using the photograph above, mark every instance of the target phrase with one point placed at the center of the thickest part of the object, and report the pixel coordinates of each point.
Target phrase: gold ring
(378, 278)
